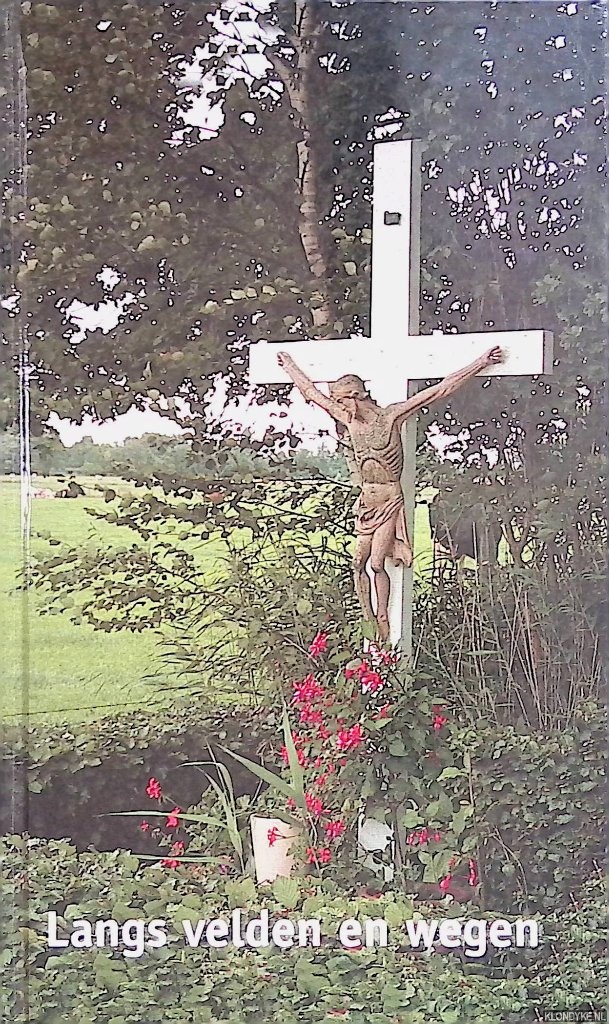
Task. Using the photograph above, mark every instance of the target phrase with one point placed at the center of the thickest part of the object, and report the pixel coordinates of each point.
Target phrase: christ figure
(376, 466)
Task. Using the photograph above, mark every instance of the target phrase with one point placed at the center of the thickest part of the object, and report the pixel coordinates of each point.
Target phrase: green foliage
(294, 789)
(500, 126)
(536, 827)
(299, 986)
(580, 934)
(539, 808)
(529, 808)
(154, 457)
(228, 576)
(9, 451)
(516, 643)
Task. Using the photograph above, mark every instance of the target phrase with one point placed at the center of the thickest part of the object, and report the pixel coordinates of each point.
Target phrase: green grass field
(53, 669)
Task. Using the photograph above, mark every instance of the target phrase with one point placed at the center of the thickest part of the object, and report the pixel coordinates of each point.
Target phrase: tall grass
(517, 644)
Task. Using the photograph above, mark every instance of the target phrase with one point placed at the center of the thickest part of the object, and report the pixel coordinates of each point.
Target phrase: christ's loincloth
(379, 504)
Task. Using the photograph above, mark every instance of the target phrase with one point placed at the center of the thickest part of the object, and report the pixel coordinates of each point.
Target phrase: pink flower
(422, 836)
(371, 681)
(385, 657)
(321, 855)
(438, 719)
(334, 829)
(445, 883)
(178, 847)
(350, 739)
(300, 755)
(472, 878)
(314, 804)
(172, 819)
(368, 677)
(307, 691)
(153, 789)
(169, 862)
(319, 644)
(144, 826)
(309, 717)
(273, 835)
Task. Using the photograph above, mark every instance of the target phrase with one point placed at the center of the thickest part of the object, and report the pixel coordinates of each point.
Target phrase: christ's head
(350, 393)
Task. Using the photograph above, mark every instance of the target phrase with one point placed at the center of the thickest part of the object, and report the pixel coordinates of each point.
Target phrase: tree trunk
(304, 39)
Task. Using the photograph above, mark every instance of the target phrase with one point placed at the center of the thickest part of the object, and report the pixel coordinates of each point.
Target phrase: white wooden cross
(395, 353)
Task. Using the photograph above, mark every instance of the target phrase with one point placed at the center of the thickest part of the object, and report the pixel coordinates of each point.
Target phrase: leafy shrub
(529, 808)
(578, 938)
(520, 644)
(536, 827)
(297, 986)
(275, 566)
(539, 808)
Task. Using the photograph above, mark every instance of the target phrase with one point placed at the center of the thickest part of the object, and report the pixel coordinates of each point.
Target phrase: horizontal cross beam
(404, 358)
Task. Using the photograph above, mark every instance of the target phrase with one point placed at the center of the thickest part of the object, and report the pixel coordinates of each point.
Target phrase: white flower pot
(274, 860)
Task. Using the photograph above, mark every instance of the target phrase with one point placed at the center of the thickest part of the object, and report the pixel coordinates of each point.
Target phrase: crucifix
(369, 383)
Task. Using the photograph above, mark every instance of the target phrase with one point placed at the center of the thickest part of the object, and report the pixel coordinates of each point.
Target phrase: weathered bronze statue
(376, 465)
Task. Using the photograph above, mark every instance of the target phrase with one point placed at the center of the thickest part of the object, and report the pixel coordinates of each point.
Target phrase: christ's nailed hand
(494, 355)
(282, 358)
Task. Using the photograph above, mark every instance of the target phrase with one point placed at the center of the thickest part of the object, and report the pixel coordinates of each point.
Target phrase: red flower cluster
(381, 657)
(334, 829)
(308, 690)
(422, 836)
(273, 835)
(350, 739)
(172, 819)
(368, 677)
(319, 644)
(472, 877)
(155, 792)
(315, 805)
(318, 855)
(310, 717)
(445, 883)
(326, 737)
(153, 789)
(300, 754)
(438, 718)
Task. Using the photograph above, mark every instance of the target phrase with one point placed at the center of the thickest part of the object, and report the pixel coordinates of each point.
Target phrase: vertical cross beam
(394, 305)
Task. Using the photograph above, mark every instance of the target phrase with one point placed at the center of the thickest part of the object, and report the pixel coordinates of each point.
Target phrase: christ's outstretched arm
(401, 410)
(308, 390)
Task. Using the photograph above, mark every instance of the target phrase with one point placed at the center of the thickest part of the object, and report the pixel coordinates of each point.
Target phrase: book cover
(302, 456)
